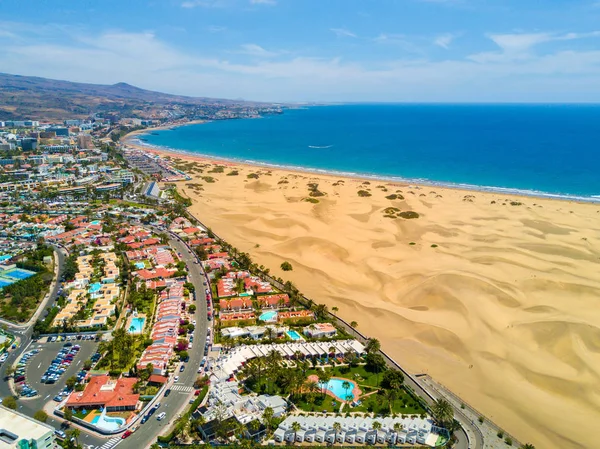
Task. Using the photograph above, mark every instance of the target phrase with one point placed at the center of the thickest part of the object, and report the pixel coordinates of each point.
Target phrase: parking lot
(40, 362)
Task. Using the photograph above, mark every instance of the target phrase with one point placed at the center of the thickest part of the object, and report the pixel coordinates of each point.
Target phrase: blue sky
(307, 50)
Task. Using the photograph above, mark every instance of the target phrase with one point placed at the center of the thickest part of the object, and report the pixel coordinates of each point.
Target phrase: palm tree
(391, 396)
(337, 427)
(373, 345)
(268, 417)
(376, 426)
(311, 387)
(296, 427)
(353, 324)
(442, 412)
(324, 378)
(334, 309)
(346, 386)
(397, 429)
(527, 446)
(74, 433)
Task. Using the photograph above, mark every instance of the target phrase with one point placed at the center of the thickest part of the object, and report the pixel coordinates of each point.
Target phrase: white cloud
(204, 4)
(444, 40)
(256, 50)
(145, 60)
(342, 32)
(216, 29)
(522, 42)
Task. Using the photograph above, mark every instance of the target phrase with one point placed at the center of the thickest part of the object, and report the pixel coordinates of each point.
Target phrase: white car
(176, 379)
(161, 416)
(194, 322)
(189, 346)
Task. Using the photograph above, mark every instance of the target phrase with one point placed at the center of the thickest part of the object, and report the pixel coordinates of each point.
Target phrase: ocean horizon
(530, 149)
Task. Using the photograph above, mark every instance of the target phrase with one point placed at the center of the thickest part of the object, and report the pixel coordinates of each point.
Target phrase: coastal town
(129, 322)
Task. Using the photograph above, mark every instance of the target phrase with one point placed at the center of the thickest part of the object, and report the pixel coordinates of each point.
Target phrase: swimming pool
(95, 222)
(140, 265)
(94, 287)
(136, 326)
(268, 316)
(294, 335)
(336, 386)
(107, 422)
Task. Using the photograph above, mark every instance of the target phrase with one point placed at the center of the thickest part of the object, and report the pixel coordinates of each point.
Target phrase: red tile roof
(101, 391)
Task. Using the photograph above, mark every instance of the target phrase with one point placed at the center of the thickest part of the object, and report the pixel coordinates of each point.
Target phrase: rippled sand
(504, 311)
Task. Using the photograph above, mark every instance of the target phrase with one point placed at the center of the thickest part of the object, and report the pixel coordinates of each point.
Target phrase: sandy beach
(492, 295)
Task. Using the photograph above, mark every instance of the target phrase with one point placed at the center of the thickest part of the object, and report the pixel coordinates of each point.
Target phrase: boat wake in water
(319, 148)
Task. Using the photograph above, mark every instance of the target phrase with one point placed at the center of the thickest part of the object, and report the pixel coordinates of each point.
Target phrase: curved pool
(336, 386)
(269, 316)
(108, 422)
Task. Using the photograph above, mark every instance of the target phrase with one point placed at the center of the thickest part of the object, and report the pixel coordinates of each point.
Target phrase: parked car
(161, 416)
(167, 392)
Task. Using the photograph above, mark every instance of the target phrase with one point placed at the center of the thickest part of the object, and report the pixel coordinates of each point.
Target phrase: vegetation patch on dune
(363, 193)
(313, 190)
(233, 173)
(394, 196)
(252, 176)
(409, 214)
(311, 200)
(208, 179)
(217, 169)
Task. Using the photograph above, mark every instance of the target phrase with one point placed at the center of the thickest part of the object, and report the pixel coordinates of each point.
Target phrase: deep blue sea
(536, 149)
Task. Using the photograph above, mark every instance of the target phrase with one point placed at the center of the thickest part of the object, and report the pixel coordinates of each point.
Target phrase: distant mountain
(31, 97)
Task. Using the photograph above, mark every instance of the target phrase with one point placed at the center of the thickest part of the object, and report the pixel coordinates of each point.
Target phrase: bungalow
(320, 330)
(256, 284)
(104, 392)
(274, 301)
(235, 304)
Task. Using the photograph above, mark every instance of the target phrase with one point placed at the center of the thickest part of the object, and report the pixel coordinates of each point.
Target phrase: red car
(126, 434)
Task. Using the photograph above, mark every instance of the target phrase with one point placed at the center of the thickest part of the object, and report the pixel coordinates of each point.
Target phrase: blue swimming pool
(95, 222)
(294, 335)
(268, 316)
(137, 325)
(4, 283)
(140, 265)
(107, 422)
(94, 287)
(336, 386)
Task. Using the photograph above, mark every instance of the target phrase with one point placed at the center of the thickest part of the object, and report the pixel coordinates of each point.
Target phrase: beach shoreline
(491, 294)
(130, 140)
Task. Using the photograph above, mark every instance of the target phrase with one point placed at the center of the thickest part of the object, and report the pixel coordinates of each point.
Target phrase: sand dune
(494, 296)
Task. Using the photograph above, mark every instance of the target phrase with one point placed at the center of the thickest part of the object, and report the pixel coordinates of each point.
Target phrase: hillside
(29, 97)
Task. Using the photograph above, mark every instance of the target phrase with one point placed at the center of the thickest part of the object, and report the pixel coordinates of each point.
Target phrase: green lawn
(321, 403)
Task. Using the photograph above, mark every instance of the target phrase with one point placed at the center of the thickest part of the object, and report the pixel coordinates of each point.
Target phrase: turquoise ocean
(542, 150)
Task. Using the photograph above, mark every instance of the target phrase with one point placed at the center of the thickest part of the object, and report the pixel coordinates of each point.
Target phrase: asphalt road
(172, 405)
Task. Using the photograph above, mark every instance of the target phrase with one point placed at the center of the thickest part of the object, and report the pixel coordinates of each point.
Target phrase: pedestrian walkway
(185, 388)
(111, 443)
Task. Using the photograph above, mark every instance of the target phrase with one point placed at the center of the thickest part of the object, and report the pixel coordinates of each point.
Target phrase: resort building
(104, 392)
(18, 431)
(358, 430)
(225, 402)
(235, 304)
(254, 332)
(229, 364)
(320, 330)
(274, 301)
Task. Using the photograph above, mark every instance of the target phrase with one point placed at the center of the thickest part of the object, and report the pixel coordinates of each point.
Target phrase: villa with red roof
(160, 272)
(274, 301)
(104, 392)
(257, 284)
(235, 304)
